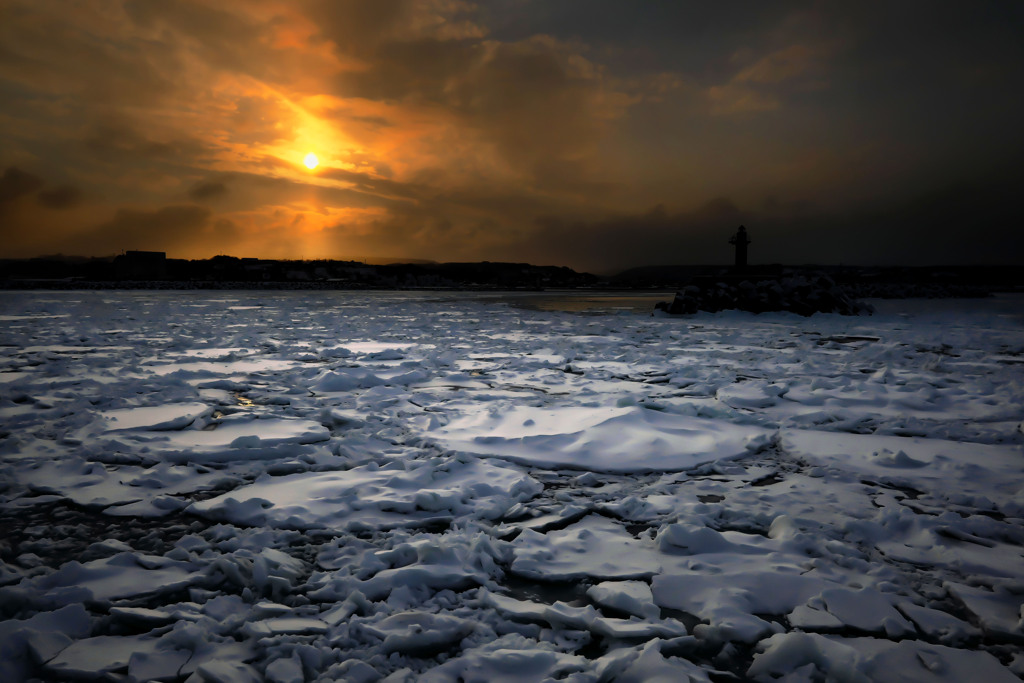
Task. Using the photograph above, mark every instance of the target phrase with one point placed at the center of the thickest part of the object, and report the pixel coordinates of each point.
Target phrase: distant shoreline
(41, 284)
(144, 271)
(873, 290)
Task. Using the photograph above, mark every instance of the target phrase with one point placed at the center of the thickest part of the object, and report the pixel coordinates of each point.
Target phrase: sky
(596, 134)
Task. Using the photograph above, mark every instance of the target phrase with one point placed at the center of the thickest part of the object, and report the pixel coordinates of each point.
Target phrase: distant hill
(137, 269)
(386, 261)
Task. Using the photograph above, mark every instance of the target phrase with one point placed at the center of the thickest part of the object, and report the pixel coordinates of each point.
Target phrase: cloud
(656, 236)
(368, 29)
(762, 85)
(534, 130)
(424, 114)
(33, 216)
(254, 191)
(737, 99)
(536, 101)
(223, 38)
(496, 107)
(16, 183)
(61, 197)
(973, 223)
(207, 191)
(165, 229)
(121, 140)
(779, 66)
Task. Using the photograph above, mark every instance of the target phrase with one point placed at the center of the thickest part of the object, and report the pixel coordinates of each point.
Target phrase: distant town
(154, 270)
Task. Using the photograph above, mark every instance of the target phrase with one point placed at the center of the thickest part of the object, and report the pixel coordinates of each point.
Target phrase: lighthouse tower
(741, 241)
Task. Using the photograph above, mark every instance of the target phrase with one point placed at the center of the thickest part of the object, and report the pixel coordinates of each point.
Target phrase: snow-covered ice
(602, 439)
(359, 486)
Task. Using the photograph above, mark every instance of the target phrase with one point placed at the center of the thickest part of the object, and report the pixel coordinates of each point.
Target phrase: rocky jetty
(804, 294)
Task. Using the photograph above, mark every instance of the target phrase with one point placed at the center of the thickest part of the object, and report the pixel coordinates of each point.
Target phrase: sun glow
(311, 161)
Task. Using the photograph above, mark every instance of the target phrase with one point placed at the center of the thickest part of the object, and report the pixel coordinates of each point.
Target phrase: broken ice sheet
(896, 475)
(236, 437)
(100, 656)
(633, 597)
(562, 615)
(595, 547)
(1000, 611)
(165, 417)
(419, 634)
(730, 578)
(399, 493)
(125, 490)
(873, 659)
(126, 574)
(853, 610)
(39, 638)
(939, 625)
(277, 626)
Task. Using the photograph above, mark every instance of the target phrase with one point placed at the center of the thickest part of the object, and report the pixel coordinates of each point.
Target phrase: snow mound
(604, 439)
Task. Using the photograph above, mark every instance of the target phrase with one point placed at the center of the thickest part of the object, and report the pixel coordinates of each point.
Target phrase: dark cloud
(416, 231)
(61, 197)
(373, 185)
(226, 39)
(16, 183)
(963, 223)
(372, 29)
(536, 100)
(207, 191)
(121, 140)
(64, 53)
(657, 236)
(165, 229)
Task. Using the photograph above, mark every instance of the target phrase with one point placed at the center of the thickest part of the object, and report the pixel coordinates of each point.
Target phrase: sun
(311, 161)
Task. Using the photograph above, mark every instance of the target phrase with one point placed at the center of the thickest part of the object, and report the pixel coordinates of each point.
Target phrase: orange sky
(592, 134)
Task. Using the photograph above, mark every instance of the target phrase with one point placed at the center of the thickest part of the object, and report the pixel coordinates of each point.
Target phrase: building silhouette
(741, 241)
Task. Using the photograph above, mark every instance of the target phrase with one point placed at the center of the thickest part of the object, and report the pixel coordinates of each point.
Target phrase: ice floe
(397, 494)
(124, 575)
(371, 486)
(605, 439)
(170, 416)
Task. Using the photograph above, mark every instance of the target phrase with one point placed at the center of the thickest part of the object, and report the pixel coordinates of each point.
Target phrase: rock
(804, 294)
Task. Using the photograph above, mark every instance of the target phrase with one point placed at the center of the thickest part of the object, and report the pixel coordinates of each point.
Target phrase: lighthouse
(741, 241)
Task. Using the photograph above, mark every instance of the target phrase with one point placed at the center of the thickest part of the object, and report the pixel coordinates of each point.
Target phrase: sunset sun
(311, 161)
